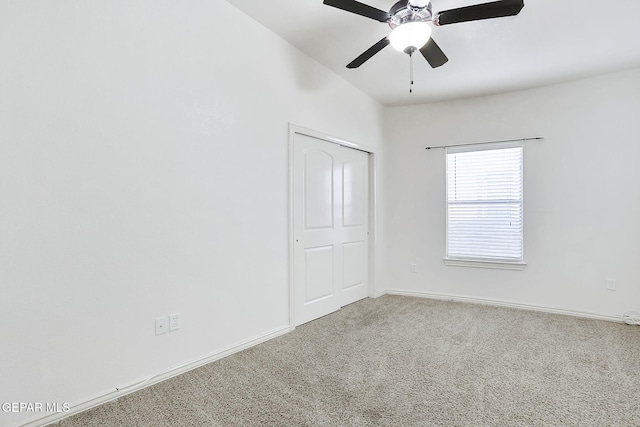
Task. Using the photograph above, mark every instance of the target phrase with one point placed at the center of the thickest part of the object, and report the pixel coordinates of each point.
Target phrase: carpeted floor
(401, 361)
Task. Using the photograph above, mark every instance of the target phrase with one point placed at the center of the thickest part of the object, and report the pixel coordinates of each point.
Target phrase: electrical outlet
(414, 268)
(611, 284)
(162, 325)
(174, 321)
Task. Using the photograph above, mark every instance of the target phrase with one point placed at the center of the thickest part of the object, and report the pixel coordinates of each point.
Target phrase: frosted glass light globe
(411, 34)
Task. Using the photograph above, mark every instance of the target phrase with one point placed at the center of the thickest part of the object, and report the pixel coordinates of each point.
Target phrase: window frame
(481, 262)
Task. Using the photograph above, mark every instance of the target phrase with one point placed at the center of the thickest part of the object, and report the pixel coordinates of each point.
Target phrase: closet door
(354, 230)
(330, 255)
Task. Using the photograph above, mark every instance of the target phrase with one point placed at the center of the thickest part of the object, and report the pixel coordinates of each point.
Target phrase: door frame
(371, 157)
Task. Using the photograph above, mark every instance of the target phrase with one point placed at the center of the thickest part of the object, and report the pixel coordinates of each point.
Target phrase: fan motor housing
(402, 12)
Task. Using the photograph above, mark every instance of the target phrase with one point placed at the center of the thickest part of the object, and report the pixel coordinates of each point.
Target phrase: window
(484, 206)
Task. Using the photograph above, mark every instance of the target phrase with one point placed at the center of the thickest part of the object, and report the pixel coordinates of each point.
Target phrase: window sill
(485, 264)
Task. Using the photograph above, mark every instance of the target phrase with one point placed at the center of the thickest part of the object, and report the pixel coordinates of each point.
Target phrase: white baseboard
(159, 377)
(381, 293)
(502, 303)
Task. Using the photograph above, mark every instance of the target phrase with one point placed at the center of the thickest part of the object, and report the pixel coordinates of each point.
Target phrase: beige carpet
(400, 361)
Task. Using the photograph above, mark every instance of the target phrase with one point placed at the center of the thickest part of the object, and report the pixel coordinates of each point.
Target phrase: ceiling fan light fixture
(410, 36)
(419, 4)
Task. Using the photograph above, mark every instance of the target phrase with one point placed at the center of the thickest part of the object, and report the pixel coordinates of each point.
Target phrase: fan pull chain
(411, 72)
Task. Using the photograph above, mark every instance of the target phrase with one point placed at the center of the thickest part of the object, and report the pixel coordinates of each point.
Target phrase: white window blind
(484, 204)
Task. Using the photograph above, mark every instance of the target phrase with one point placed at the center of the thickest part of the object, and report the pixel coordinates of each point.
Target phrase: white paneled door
(330, 225)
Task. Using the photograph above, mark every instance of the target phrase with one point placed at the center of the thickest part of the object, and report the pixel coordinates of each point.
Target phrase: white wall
(144, 171)
(581, 207)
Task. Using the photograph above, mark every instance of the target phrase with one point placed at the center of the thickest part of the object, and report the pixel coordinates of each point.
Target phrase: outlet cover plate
(611, 284)
(162, 325)
(174, 321)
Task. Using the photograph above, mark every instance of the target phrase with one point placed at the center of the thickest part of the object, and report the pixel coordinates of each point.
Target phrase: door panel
(354, 256)
(318, 189)
(319, 277)
(353, 193)
(330, 226)
(317, 205)
(355, 230)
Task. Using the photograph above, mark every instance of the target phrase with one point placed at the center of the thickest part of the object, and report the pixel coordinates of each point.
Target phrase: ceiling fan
(409, 21)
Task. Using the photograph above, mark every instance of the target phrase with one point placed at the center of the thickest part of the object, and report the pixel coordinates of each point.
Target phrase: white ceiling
(550, 41)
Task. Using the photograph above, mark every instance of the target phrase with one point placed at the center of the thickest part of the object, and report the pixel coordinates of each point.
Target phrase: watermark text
(16, 407)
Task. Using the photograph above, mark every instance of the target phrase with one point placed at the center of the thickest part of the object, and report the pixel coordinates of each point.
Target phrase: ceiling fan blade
(369, 53)
(496, 9)
(359, 9)
(433, 54)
